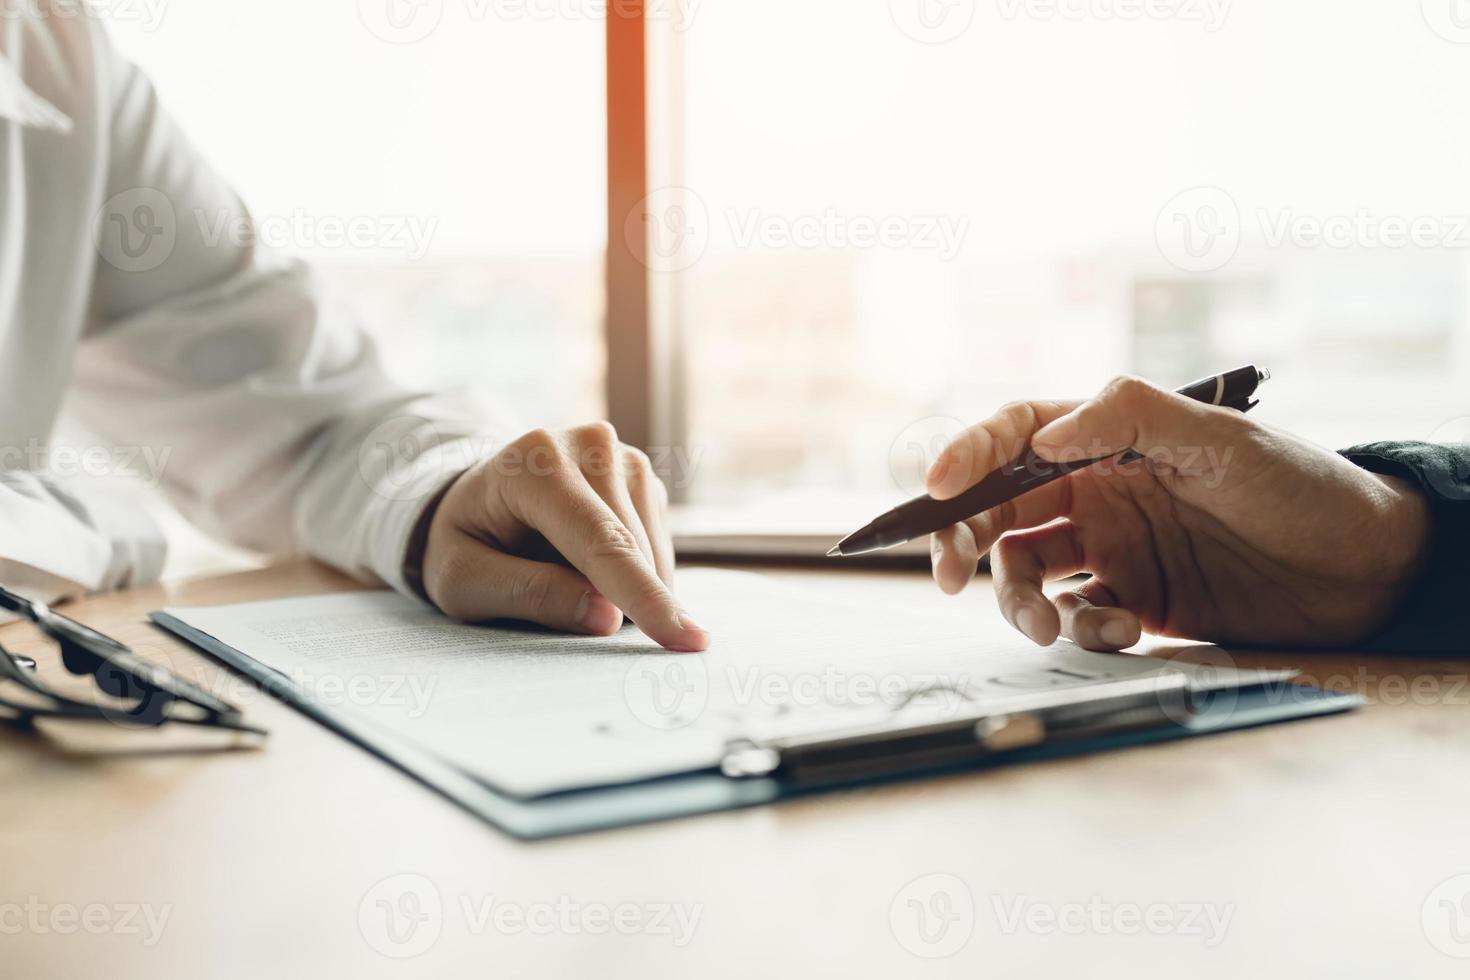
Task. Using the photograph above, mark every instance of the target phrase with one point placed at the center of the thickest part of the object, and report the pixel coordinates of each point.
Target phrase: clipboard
(765, 768)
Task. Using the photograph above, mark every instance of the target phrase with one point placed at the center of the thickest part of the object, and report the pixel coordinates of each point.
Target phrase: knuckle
(537, 439)
(538, 453)
(1004, 552)
(636, 463)
(987, 432)
(969, 450)
(1014, 559)
(1006, 431)
(650, 595)
(612, 539)
(532, 594)
(599, 433)
(1018, 414)
(1129, 390)
(640, 475)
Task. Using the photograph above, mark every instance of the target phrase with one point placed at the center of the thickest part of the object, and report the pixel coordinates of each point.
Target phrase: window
(458, 145)
(917, 211)
(863, 223)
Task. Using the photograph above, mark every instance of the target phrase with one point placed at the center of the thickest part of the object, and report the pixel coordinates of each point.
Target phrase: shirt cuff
(402, 496)
(59, 541)
(1429, 619)
(139, 545)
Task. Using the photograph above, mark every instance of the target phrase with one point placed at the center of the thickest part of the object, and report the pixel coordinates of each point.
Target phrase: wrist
(1427, 489)
(417, 547)
(1409, 522)
(1410, 512)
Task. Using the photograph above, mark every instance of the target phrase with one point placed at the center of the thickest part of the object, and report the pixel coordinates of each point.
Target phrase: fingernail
(1115, 633)
(1026, 623)
(1062, 432)
(699, 633)
(596, 614)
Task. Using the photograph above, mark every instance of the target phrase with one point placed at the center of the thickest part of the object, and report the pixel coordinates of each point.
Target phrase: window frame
(644, 384)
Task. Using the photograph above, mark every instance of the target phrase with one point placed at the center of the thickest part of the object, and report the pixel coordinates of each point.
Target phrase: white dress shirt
(270, 426)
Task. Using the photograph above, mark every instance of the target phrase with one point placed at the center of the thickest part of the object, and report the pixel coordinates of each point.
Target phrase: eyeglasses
(139, 694)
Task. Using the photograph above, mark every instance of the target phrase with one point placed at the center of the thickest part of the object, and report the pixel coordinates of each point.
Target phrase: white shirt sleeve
(62, 537)
(276, 426)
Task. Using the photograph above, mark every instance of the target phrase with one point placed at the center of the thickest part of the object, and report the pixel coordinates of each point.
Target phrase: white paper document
(532, 712)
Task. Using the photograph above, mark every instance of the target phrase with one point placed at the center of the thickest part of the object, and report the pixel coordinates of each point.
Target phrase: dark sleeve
(1433, 616)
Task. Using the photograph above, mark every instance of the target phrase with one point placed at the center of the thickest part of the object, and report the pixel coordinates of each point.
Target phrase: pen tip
(835, 552)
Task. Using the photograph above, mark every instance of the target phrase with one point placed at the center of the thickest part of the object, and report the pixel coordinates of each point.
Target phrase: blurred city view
(1360, 349)
(1069, 199)
(1153, 197)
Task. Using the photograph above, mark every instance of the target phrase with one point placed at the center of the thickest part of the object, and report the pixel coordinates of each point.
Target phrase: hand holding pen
(1225, 530)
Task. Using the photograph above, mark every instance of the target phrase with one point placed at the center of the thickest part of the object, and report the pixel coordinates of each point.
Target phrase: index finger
(991, 444)
(567, 511)
(1130, 413)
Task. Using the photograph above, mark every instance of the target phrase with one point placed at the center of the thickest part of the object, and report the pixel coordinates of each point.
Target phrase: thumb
(476, 584)
(1132, 414)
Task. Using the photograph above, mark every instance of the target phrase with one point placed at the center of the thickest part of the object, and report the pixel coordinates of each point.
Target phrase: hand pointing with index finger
(594, 501)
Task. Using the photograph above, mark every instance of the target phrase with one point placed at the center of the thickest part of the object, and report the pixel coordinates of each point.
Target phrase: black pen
(925, 515)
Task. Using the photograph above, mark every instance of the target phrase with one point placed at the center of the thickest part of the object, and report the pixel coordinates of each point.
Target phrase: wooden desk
(1320, 841)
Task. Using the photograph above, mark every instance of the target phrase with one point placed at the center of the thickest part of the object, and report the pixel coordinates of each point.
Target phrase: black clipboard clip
(903, 745)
